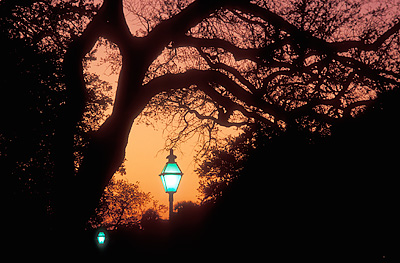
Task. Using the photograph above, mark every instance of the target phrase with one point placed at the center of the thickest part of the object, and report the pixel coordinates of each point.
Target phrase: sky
(146, 159)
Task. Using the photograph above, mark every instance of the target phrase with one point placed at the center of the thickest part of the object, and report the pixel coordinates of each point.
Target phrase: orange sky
(146, 159)
(145, 162)
(145, 155)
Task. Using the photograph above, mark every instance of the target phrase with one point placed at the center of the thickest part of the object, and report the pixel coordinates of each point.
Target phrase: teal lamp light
(101, 238)
(171, 177)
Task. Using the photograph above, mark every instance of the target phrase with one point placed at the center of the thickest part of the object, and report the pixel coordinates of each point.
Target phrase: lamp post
(171, 176)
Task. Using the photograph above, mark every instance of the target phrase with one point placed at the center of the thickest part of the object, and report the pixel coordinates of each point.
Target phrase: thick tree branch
(176, 27)
(230, 70)
(238, 53)
(220, 120)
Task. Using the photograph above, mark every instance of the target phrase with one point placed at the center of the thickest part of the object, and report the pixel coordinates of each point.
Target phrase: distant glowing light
(101, 238)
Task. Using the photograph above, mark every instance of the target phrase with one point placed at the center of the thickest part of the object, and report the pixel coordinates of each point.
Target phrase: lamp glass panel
(171, 176)
(171, 168)
(171, 182)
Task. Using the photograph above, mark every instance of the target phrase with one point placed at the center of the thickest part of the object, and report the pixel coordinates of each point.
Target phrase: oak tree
(228, 63)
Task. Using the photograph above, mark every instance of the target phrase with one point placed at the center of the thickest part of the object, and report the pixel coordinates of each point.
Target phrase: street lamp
(101, 238)
(171, 176)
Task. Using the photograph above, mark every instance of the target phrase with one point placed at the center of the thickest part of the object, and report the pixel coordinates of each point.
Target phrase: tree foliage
(35, 36)
(124, 204)
(338, 189)
(350, 164)
(224, 165)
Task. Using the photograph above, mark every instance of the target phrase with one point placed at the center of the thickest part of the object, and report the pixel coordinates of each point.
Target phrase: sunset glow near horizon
(146, 154)
(146, 157)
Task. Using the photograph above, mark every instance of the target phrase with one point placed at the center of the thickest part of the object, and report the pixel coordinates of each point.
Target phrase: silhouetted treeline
(34, 36)
(331, 196)
(297, 198)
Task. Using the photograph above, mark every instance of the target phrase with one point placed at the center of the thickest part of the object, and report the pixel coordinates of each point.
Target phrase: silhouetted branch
(202, 80)
(367, 71)
(238, 53)
(361, 45)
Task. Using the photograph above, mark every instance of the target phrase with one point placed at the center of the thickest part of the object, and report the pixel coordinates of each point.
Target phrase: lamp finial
(171, 157)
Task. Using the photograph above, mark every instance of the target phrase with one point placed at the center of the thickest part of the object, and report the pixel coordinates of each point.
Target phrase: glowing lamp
(171, 174)
(171, 177)
(101, 238)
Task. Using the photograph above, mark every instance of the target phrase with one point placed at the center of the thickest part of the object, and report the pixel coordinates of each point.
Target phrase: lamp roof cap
(171, 157)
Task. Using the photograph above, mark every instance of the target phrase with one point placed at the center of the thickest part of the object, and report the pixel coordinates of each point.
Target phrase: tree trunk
(106, 151)
(78, 195)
